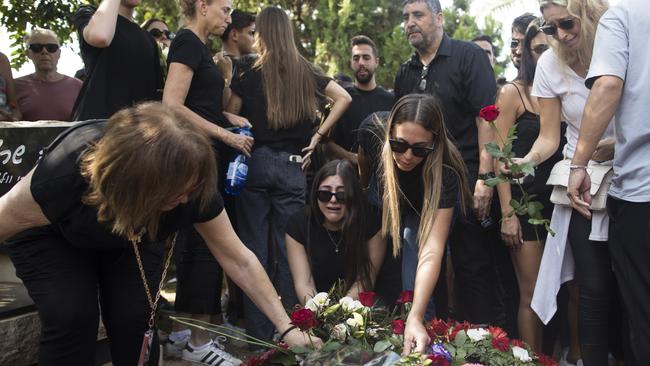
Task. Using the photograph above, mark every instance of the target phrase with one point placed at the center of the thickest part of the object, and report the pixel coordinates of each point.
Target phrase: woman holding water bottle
(279, 95)
(195, 89)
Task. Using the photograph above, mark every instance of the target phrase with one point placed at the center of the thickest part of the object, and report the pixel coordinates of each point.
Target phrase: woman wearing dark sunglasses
(159, 31)
(518, 108)
(424, 179)
(336, 237)
(561, 93)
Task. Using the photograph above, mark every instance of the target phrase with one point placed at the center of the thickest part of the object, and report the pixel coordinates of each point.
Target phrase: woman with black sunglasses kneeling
(336, 237)
(424, 179)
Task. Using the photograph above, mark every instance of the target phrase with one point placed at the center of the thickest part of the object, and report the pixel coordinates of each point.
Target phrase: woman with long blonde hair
(561, 94)
(423, 181)
(279, 95)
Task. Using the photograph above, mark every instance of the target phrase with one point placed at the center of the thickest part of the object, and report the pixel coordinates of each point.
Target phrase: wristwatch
(486, 176)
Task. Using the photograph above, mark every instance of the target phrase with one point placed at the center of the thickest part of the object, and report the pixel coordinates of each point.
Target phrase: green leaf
(528, 168)
(493, 149)
(331, 346)
(514, 204)
(301, 350)
(496, 180)
(381, 346)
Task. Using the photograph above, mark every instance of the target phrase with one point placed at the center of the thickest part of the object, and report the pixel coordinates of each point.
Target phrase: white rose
(318, 302)
(356, 321)
(521, 354)
(477, 334)
(339, 332)
(349, 305)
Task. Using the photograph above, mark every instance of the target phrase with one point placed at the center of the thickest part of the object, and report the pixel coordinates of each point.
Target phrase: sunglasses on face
(400, 147)
(157, 33)
(326, 196)
(550, 29)
(38, 47)
(539, 49)
(515, 43)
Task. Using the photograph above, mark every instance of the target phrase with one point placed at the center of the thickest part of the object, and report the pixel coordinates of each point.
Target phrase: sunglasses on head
(400, 147)
(157, 33)
(539, 49)
(326, 196)
(38, 47)
(550, 28)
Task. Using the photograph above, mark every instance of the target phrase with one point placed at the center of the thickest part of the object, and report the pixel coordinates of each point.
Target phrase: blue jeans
(410, 249)
(275, 189)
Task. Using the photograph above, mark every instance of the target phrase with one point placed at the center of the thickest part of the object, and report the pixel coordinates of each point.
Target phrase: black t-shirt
(125, 73)
(57, 187)
(363, 104)
(205, 96)
(412, 185)
(461, 77)
(327, 265)
(248, 86)
(371, 135)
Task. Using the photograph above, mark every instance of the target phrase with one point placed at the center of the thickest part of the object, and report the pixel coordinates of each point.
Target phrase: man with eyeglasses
(519, 26)
(460, 75)
(46, 94)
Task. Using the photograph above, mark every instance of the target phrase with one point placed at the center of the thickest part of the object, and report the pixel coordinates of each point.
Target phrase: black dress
(527, 131)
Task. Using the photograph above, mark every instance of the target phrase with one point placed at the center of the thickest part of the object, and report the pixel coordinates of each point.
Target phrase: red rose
(517, 343)
(457, 328)
(438, 328)
(304, 319)
(404, 297)
(367, 298)
(398, 326)
(497, 332)
(545, 360)
(489, 113)
(502, 343)
(438, 360)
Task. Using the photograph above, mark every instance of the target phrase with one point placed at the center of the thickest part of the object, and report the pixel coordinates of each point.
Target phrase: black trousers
(629, 245)
(597, 290)
(71, 285)
(475, 271)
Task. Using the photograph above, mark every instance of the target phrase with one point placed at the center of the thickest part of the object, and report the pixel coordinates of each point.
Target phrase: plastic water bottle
(237, 168)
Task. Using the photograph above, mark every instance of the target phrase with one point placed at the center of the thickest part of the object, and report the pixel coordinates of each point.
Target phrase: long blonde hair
(425, 111)
(290, 88)
(588, 12)
(146, 157)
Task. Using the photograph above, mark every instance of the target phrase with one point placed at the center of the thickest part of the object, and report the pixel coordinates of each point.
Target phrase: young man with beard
(460, 75)
(46, 94)
(367, 97)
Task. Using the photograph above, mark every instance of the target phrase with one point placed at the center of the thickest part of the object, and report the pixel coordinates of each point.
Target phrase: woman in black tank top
(525, 240)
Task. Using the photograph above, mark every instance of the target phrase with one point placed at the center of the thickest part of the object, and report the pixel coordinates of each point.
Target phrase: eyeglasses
(550, 29)
(400, 147)
(326, 196)
(539, 49)
(514, 43)
(157, 33)
(422, 86)
(38, 47)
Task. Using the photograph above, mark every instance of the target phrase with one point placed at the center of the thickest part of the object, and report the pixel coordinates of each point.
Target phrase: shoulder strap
(521, 97)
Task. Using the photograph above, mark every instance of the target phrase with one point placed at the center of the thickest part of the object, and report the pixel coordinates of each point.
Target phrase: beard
(364, 79)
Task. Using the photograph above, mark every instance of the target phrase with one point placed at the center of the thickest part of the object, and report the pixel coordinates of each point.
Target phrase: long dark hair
(526, 74)
(357, 257)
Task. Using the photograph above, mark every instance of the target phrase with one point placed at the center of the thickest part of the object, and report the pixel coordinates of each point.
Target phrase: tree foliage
(323, 27)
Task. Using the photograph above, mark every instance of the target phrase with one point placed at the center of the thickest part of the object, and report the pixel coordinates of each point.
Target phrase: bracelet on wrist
(284, 334)
(486, 176)
(574, 166)
(319, 134)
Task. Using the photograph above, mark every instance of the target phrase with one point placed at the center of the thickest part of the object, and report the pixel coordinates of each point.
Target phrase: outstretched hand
(306, 159)
(416, 337)
(298, 338)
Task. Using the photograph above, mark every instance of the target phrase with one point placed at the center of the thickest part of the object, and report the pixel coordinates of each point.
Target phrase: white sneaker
(175, 349)
(211, 355)
(564, 362)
